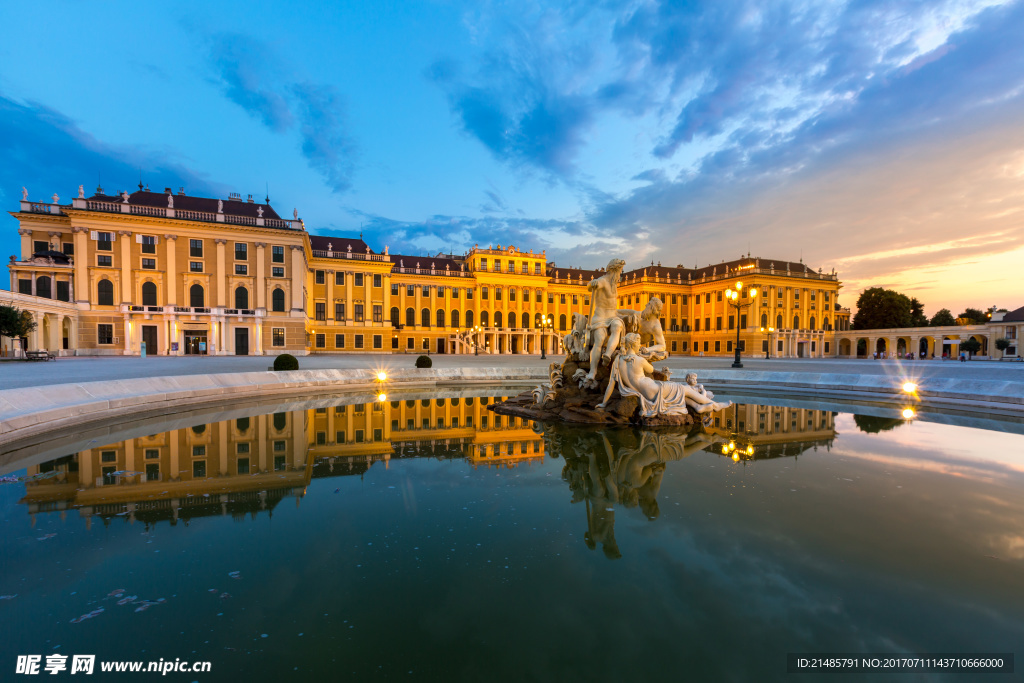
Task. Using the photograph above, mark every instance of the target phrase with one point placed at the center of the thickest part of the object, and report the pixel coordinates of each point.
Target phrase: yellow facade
(216, 277)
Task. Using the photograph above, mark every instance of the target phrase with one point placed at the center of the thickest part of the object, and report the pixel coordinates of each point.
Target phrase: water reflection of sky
(451, 552)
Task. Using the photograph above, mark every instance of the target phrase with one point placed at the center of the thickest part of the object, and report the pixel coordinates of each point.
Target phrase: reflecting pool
(428, 538)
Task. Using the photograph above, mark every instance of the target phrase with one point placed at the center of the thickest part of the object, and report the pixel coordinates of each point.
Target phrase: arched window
(242, 424)
(196, 296)
(826, 324)
(148, 294)
(469, 318)
(813, 323)
(778, 321)
(280, 421)
(44, 287)
(764, 320)
(497, 319)
(277, 300)
(455, 318)
(198, 429)
(440, 317)
(526, 320)
(395, 317)
(483, 319)
(105, 292)
(561, 322)
(241, 297)
(425, 317)
(410, 317)
(796, 322)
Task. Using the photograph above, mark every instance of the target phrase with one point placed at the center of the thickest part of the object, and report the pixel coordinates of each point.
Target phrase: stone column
(367, 300)
(127, 334)
(171, 281)
(86, 477)
(297, 279)
(223, 447)
(261, 426)
(222, 275)
(349, 306)
(261, 276)
(385, 281)
(329, 278)
(124, 238)
(129, 455)
(34, 275)
(417, 306)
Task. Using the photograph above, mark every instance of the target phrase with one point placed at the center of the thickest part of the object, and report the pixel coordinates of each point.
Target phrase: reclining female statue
(630, 373)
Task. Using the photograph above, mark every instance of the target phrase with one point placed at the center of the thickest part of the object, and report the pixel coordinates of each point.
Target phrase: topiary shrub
(424, 362)
(286, 361)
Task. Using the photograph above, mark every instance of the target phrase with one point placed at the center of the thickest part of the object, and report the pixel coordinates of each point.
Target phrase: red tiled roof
(436, 262)
(1014, 316)
(338, 244)
(232, 207)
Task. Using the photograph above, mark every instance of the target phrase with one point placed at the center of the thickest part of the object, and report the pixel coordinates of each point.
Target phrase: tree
(879, 308)
(870, 424)
(943, 317)
(15, 322)
(1003, 343)
(973, 316)
(971, 346)
(917, 316)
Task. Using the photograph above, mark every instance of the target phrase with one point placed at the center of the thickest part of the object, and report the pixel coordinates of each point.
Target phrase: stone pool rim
(30, 412)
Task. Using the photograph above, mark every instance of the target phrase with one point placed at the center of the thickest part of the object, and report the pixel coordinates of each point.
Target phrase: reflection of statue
(630, 373)
(605, 326)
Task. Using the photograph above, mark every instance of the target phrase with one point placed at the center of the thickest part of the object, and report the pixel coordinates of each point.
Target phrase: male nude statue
(605, 325)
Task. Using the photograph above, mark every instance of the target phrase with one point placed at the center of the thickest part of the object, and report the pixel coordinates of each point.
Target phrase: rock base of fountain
(568, 402)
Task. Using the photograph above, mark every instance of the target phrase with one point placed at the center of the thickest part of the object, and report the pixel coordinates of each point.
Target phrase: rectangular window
(199, 469)
(426, 290)
(277, 254)
(394, 289)
(536, 269)
(339, 437)
(241, 269)
(104, 260)
(484, 294)
(319, 275)
(243, 465)
(359, 436)
(440, 291)
(732, 322)
(149, 264)
(728, 346)
(195, 266)
(195, 248)
(320, 310)
(359, 280)
(152, 453)
(378, 341)
(512, 294)
(321, 341)
(277, 271)
(707, 298)
(280, 446)
(718, 322)
(104, 241)
(242, 448)
(526, 268)
(497, 293)
(705, 347)
(673, 347)
(497, 265)
(561, 298)
(410, 290)
(339, 278)
(394, 342)
(718, 346)
(105, 333)
(40, 245)
(148, 244)
(826, 347)
(673, 298)
(707, 324)
(69, 250)
(277, 335)
(378, 280)
(685, 344)
(410, 344)
(378, 313)
(241, 251)
(358, 313)
(696, 325)
(455, 292)
(575, 300)
(280, 464)
(469, 293)
(199, 451)
(359, 341)
(743, 321)
(339, 311)
(339, 341)
(483, 264)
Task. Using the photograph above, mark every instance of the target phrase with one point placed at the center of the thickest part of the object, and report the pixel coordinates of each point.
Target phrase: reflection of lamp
(381, 376)
(909, 413)
(382, 397)
(732, 297)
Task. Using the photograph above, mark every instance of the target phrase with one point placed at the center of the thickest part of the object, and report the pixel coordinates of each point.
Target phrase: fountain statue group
(607, 374)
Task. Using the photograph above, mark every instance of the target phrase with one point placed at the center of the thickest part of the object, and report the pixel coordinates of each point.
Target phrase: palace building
(172, 274)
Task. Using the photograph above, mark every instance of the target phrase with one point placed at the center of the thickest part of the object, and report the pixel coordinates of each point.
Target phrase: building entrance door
(195, 342)
(149, 337)
(800, 349)
(241, 341)
(440, 345)
(515, 345)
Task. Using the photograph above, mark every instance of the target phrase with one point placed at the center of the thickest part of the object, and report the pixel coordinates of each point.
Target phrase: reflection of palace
(250, 464)
(624, 467)
(107, 273)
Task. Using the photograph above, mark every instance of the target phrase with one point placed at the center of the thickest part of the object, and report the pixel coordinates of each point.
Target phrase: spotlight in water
(736, 457)
(909, 387)
(382, 397)
(908, 413)
(725, 450)
(381, 376)
(750, 450)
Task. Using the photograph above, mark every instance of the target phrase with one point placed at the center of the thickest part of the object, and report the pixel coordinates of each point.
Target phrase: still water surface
(434, 540)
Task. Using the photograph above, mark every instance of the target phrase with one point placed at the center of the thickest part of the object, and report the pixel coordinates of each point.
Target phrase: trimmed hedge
(424, 362)
(286, 361)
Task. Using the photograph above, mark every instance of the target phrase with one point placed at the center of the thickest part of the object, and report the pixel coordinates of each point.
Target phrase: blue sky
(882, 139)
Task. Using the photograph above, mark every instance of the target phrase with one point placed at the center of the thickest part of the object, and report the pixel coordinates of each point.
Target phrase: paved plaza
(18, 374)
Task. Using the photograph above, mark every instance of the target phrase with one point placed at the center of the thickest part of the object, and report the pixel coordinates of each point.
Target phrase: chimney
(181, 191)
(250, 199)
(167, 190)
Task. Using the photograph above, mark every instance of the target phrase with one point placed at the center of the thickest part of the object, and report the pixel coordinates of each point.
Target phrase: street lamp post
(545, 325)
(476, 341)
(768, 346)
(732, 296)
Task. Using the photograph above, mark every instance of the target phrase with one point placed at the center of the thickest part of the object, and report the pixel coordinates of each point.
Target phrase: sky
(884, 139)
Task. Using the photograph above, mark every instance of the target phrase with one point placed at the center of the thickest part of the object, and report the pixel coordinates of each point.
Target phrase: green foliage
(286, 361)
(971, 346)
(14, 322)
(917, 316)
(879, 309)
(942, 318)
(424, 362)
(870, 424)
(1003, 343)
(973, 316)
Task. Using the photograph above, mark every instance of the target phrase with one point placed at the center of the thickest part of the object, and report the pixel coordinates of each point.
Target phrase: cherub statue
(575, 343)
(630, 372)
